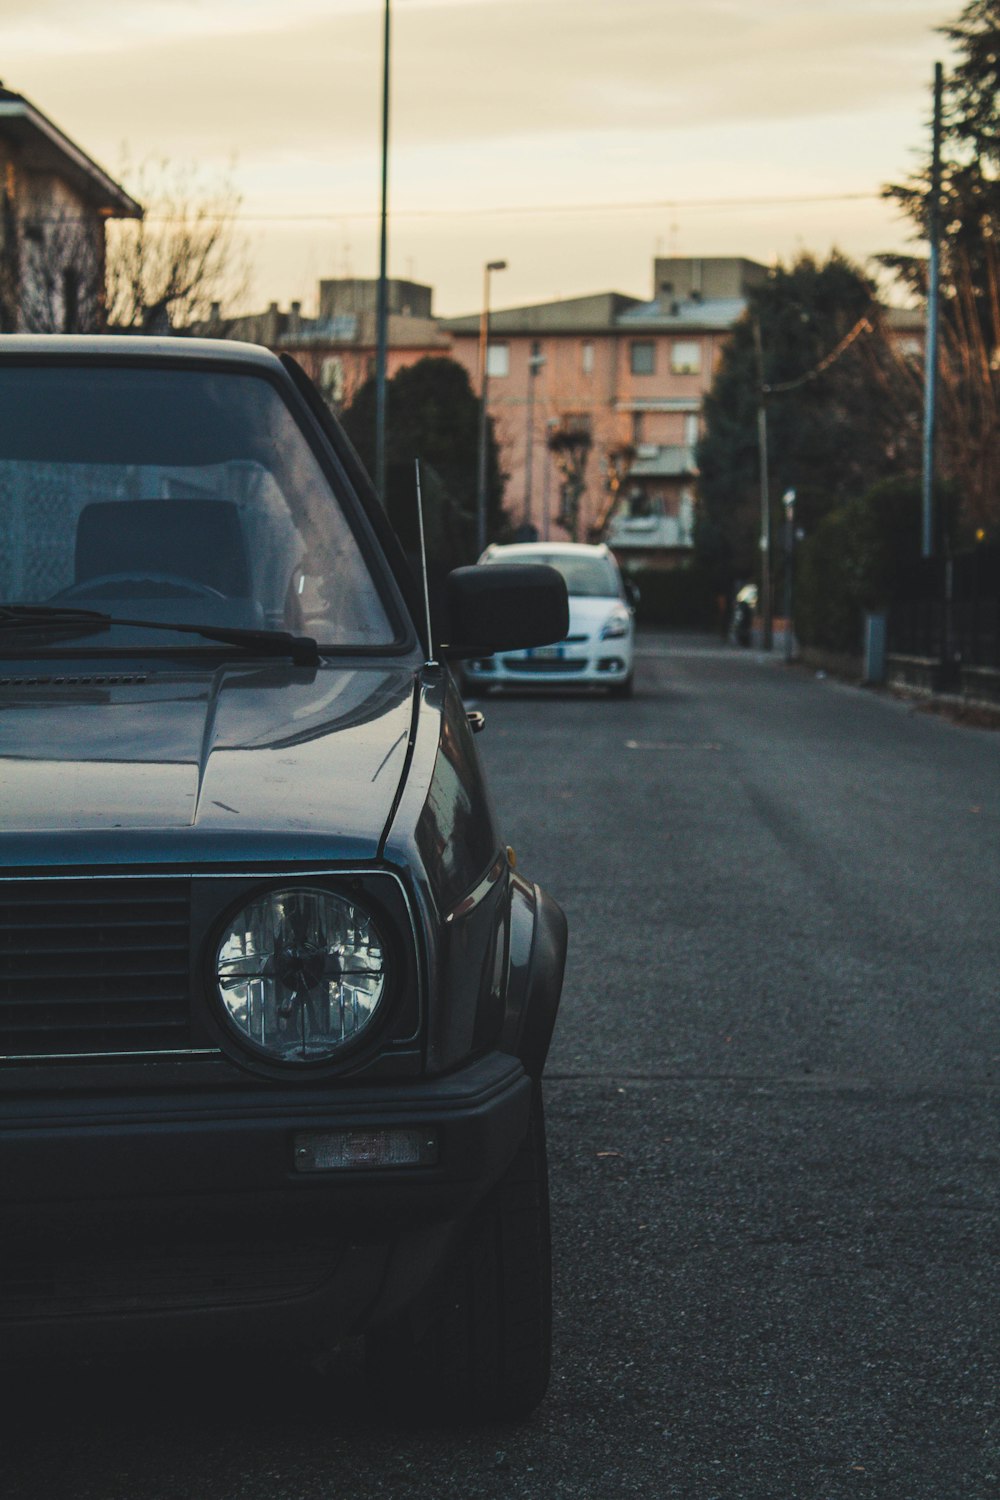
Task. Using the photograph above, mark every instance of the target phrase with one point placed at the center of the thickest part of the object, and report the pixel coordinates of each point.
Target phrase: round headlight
(301, 972)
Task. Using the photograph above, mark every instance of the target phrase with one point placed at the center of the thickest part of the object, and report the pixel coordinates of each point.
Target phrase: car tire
(622, 689)
(477, 1346)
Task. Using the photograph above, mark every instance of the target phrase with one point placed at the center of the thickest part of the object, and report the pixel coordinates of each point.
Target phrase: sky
(575, 139)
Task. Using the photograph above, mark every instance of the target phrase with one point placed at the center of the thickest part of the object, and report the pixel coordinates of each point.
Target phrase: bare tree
(570, 447)
(970, 389)
(167, 269)
(616, 461)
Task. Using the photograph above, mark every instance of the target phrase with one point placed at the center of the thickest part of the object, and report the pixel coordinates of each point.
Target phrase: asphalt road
(773, 1122)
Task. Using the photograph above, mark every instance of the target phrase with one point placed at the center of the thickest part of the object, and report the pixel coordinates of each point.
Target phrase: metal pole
(547, 482)
(484, 382)
(382, 302)
(789, 502)
(535, 362)
(931, 352)
(766, 610)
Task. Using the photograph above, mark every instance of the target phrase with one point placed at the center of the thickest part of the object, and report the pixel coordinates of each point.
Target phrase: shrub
(857, 559)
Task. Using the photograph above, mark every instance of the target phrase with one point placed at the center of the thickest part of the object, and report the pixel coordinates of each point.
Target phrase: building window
(685, 357)
(691, 429)
(498, 360)
(637, 428)
(587, 356)
(643, 357)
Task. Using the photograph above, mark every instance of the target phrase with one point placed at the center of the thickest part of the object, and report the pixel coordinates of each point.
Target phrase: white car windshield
(587, 577)
(182, 495)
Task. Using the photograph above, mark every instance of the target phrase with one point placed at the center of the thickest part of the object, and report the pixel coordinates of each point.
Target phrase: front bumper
(600, 663)
(129, 1219)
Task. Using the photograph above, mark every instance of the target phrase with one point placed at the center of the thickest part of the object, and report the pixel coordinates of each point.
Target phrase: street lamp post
(382, 300)
(788, 500)
(484, 344)
(766, 608)
(535, 363)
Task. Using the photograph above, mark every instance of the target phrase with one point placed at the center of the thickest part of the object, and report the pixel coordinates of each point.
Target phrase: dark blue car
(274, 1003)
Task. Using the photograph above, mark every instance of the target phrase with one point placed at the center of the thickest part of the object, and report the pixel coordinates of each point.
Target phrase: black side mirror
(504, 607)
(632, 593)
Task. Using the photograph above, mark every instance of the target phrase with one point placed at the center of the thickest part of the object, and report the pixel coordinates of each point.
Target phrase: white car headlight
(615, 627)
(301, 973)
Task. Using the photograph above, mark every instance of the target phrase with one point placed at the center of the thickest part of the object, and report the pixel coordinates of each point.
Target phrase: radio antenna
(430, 662)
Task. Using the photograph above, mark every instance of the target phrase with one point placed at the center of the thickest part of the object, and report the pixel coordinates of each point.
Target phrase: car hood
(239, 755)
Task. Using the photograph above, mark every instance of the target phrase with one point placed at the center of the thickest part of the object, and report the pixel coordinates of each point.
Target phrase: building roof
(906, 319)
(44, 148)
(594, 314)
(606, 312)
(694, 315)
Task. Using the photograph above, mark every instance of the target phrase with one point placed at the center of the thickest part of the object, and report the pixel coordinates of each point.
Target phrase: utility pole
(931, 352)
(788, 500)
(766, 606)
(484, 384)
(382, 300)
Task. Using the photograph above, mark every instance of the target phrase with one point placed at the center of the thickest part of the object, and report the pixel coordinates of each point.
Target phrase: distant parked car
(599, 649)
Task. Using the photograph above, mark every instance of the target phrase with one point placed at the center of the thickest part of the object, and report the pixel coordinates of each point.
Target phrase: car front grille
(162, 1279)
(94, 967)
(547, 664)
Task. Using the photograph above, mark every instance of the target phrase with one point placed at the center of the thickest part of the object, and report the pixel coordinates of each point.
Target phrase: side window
(685, 357)
(642, 356)
(498, 360)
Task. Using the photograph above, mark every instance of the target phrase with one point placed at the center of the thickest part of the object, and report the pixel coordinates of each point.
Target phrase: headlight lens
(301, 972)
(615, 628)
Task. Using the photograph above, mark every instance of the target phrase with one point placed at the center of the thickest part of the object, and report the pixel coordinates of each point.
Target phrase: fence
(950, 611)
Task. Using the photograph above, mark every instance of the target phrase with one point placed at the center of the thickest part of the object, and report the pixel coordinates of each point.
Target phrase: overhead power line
(863, 325)
(534, 210)
(524, 210)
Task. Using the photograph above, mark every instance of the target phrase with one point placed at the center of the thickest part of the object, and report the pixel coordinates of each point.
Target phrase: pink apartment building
(632, 376)
(629, 374)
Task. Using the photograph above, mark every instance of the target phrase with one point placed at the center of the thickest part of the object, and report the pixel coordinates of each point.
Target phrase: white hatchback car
(599, 650)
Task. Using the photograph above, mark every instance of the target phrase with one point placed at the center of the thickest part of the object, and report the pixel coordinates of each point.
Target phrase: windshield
(586, 576)
(179, 495)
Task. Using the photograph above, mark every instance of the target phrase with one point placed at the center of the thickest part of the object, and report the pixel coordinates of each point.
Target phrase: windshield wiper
(302, 649)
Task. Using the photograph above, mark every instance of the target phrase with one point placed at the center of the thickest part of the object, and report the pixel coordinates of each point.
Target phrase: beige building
(54, 208)
(630, 376)
(337, 347)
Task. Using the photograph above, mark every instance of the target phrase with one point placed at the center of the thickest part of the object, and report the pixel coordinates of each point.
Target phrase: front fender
(537, 960)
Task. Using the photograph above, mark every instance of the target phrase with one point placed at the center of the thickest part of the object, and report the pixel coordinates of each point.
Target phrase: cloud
(174, 81)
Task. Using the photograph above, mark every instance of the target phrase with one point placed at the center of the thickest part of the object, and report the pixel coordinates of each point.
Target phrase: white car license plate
(547, 653)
